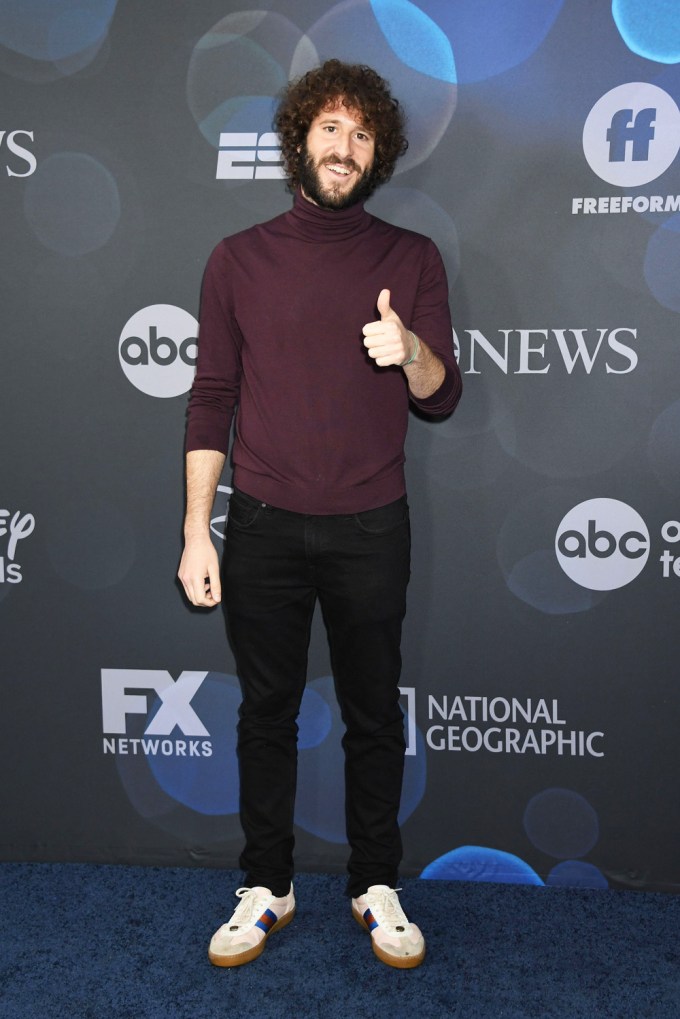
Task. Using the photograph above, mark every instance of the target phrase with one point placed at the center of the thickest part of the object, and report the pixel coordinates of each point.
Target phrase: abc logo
(602, 544)
(632, 134)
(157, 350)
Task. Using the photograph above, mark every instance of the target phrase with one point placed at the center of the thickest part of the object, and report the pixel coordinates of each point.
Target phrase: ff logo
(175, 708)
(602, 544)
(239, 151)
(157, 350)
(632, 134)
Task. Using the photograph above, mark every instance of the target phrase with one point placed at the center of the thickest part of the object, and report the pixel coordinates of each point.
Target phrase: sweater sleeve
(215, 391)
(431, 321)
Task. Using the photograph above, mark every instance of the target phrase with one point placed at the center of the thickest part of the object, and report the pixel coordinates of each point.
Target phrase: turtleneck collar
(332, 225)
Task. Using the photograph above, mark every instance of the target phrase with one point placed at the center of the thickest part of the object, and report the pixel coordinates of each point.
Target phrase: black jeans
(276, 565)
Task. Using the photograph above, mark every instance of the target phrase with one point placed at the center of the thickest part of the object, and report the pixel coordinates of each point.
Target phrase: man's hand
(388, 341)
(199, 572)
(199, 568)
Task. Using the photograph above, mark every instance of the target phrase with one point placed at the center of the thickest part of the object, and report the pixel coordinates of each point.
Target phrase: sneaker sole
(252, 953)
(396, 961)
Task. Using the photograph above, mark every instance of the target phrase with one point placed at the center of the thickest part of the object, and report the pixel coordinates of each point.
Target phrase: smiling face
(336, 159)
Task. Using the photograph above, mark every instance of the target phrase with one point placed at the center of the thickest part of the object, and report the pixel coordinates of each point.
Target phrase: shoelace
(251, 904)
(386, 904)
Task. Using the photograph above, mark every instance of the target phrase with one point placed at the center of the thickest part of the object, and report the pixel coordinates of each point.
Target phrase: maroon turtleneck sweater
(320, 427)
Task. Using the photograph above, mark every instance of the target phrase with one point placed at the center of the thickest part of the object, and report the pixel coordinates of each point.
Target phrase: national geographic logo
(499, 725)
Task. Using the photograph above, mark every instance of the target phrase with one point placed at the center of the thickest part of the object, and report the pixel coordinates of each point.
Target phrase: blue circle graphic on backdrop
(663, 448)
(525, 547)
(649, 28)
(465, 450)
(56, 30)
(662, 263)
(489, 37)
(576, 874)
(415, 38)
(561, 823)
(207, 784)
(404, 45)
(478, 863)
(72, 203)
(320, 803)
(314, 721)
(245, 48)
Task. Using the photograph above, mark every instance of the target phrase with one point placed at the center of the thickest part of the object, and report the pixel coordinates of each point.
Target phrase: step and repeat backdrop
(541, 643)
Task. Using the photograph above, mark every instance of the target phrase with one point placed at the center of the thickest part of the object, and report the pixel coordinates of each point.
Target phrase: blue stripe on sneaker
(267, 921)
(371, 921)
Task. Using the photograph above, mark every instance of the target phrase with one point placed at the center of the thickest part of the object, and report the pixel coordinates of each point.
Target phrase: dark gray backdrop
(541, 641)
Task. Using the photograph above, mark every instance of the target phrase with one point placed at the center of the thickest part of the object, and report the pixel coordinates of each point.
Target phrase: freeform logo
(602, 544)
(8, 139)
(632, 134)
(15, 526)
(174, 712)
(241, 153)
(158, 350)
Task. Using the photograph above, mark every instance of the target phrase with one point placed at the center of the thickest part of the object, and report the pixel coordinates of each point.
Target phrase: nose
(344, 143)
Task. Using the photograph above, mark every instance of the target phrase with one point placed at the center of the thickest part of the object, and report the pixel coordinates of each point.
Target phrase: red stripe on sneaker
(267, 921)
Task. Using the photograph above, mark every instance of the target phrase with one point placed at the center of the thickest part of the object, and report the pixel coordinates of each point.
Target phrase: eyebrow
(336, 120)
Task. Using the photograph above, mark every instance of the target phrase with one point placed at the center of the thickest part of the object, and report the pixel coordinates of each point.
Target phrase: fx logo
(239, 152)
(175, 696)
(632, 134)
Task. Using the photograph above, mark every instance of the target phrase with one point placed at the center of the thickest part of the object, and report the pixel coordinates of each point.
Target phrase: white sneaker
(257, 915)
(395, 941)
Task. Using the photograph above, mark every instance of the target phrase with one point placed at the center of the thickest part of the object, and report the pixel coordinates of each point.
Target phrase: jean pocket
(243, 509)
(383, 519)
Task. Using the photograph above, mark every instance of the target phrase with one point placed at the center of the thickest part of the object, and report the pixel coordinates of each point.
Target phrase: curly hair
(356, 87)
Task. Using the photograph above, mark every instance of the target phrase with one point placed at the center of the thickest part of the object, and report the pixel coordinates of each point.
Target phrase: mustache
(337, 161)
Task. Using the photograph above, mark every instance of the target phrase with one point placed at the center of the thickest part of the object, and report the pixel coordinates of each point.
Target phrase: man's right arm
(199, 568)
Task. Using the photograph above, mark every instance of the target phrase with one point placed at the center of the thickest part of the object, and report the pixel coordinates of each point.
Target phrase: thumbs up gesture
(388, 341)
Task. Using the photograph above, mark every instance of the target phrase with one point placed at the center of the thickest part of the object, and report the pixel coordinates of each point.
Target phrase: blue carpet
(115, 942)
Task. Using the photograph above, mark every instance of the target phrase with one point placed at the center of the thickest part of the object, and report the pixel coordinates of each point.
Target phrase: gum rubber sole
(396, 961)
(251, 953)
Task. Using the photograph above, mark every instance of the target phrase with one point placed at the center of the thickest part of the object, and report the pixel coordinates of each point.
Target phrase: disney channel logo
(15, 527)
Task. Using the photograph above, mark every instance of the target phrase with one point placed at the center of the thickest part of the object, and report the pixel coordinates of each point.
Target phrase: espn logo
(241, 154)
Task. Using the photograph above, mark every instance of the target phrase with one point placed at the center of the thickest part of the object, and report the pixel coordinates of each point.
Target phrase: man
(320, 325)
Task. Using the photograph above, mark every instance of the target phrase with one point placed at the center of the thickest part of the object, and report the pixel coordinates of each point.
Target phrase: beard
(332, 196)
